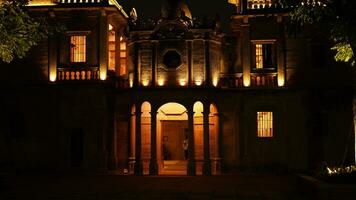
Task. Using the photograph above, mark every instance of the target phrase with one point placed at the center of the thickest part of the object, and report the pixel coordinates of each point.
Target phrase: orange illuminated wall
(78, 48)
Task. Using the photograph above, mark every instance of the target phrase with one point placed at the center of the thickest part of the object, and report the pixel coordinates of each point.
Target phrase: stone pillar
(154, 63)
(207, 63)
(281, 78)
(153, 161)
(190, 62)
(207, 163)
(136, 59)
(52, 59)
(191, 146)
(103, 45)
(246, 52)
(138, 162)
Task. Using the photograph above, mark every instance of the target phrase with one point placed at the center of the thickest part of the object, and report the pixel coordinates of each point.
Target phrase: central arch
(172, 126)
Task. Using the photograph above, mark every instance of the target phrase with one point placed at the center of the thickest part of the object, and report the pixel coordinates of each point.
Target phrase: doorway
(172, 128)
(174, 134)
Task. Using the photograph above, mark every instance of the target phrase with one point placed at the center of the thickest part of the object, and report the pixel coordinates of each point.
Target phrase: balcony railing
(82, 1)
(73, 73)
(264, 80)
(257, 80)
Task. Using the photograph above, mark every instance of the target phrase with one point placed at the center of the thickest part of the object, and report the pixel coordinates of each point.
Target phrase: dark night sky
(198, 8)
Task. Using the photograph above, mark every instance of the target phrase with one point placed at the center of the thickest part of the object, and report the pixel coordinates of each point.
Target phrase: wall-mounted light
(160, 82)
(215, 81)
(103, 75)
(145, 82)
(281, 81)
(131, 79)
(182, 82)
(198, 81)
(52, 76)
(247, 81)
(110, 27)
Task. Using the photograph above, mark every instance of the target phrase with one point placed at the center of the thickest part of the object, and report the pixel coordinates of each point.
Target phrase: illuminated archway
(132, 139)
(172, 123)
(214, 139)
(198, 109)
(146, 136)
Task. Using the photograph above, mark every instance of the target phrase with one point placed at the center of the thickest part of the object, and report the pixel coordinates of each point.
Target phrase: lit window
(264, 124)
(78, 48)
(264, 56)
(112, 50)
(259, 56)
(123, 56)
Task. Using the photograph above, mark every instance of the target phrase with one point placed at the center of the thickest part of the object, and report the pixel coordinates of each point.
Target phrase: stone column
(281, 53)
(207, 63)
(153, 161)
(191, 150)
(246, 52)
(190, 62)
(138, 162)
(154, 63)
(207, 163)
(103, 45)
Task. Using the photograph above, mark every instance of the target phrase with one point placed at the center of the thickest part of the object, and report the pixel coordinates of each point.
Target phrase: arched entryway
(172, 133)
(161, 134)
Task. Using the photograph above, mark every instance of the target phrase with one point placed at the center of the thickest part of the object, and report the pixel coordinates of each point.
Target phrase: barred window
(259, 56)
(78, 48)
(112, 50)
(264, 55)
(264, 124)
(123, 57)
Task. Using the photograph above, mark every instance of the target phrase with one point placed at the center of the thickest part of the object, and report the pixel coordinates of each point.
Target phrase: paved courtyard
(244, 186)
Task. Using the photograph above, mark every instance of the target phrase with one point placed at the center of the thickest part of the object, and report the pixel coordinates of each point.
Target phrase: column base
(207, 168)
(138, 168)
(191, 169)
(153, 167)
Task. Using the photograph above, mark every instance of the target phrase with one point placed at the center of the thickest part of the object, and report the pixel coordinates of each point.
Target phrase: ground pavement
(241, 186)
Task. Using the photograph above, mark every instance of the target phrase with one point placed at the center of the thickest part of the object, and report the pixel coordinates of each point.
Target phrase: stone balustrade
(73, 73)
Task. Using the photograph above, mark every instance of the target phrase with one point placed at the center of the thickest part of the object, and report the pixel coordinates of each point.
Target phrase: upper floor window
(264, 124)
(264, 55)
(78, 47)
(123, 57)
(112, 48)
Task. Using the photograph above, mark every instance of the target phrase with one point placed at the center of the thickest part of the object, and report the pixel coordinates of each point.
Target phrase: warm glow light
(145, 82)
(247, 81)
(182, 82)
(110, 27)
(103, 75)
(52, 76)
(198, 81)
(215, 81)
(281, 81)
(131, 79)
(161, 82)
(121, 38)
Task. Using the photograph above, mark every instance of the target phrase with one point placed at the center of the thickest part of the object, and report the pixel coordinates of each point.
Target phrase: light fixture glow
(281, 81)
(110, 27)
(131, 79)
(182, 82)
(161, 82)
(247, 81)
(145, 82)
(103, 75)
(215, 81)
(52, 76)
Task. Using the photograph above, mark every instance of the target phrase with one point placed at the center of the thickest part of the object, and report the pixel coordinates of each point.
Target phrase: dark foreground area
(244, 186)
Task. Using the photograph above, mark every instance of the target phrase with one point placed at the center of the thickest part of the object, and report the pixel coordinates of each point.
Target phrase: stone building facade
(115, 92)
